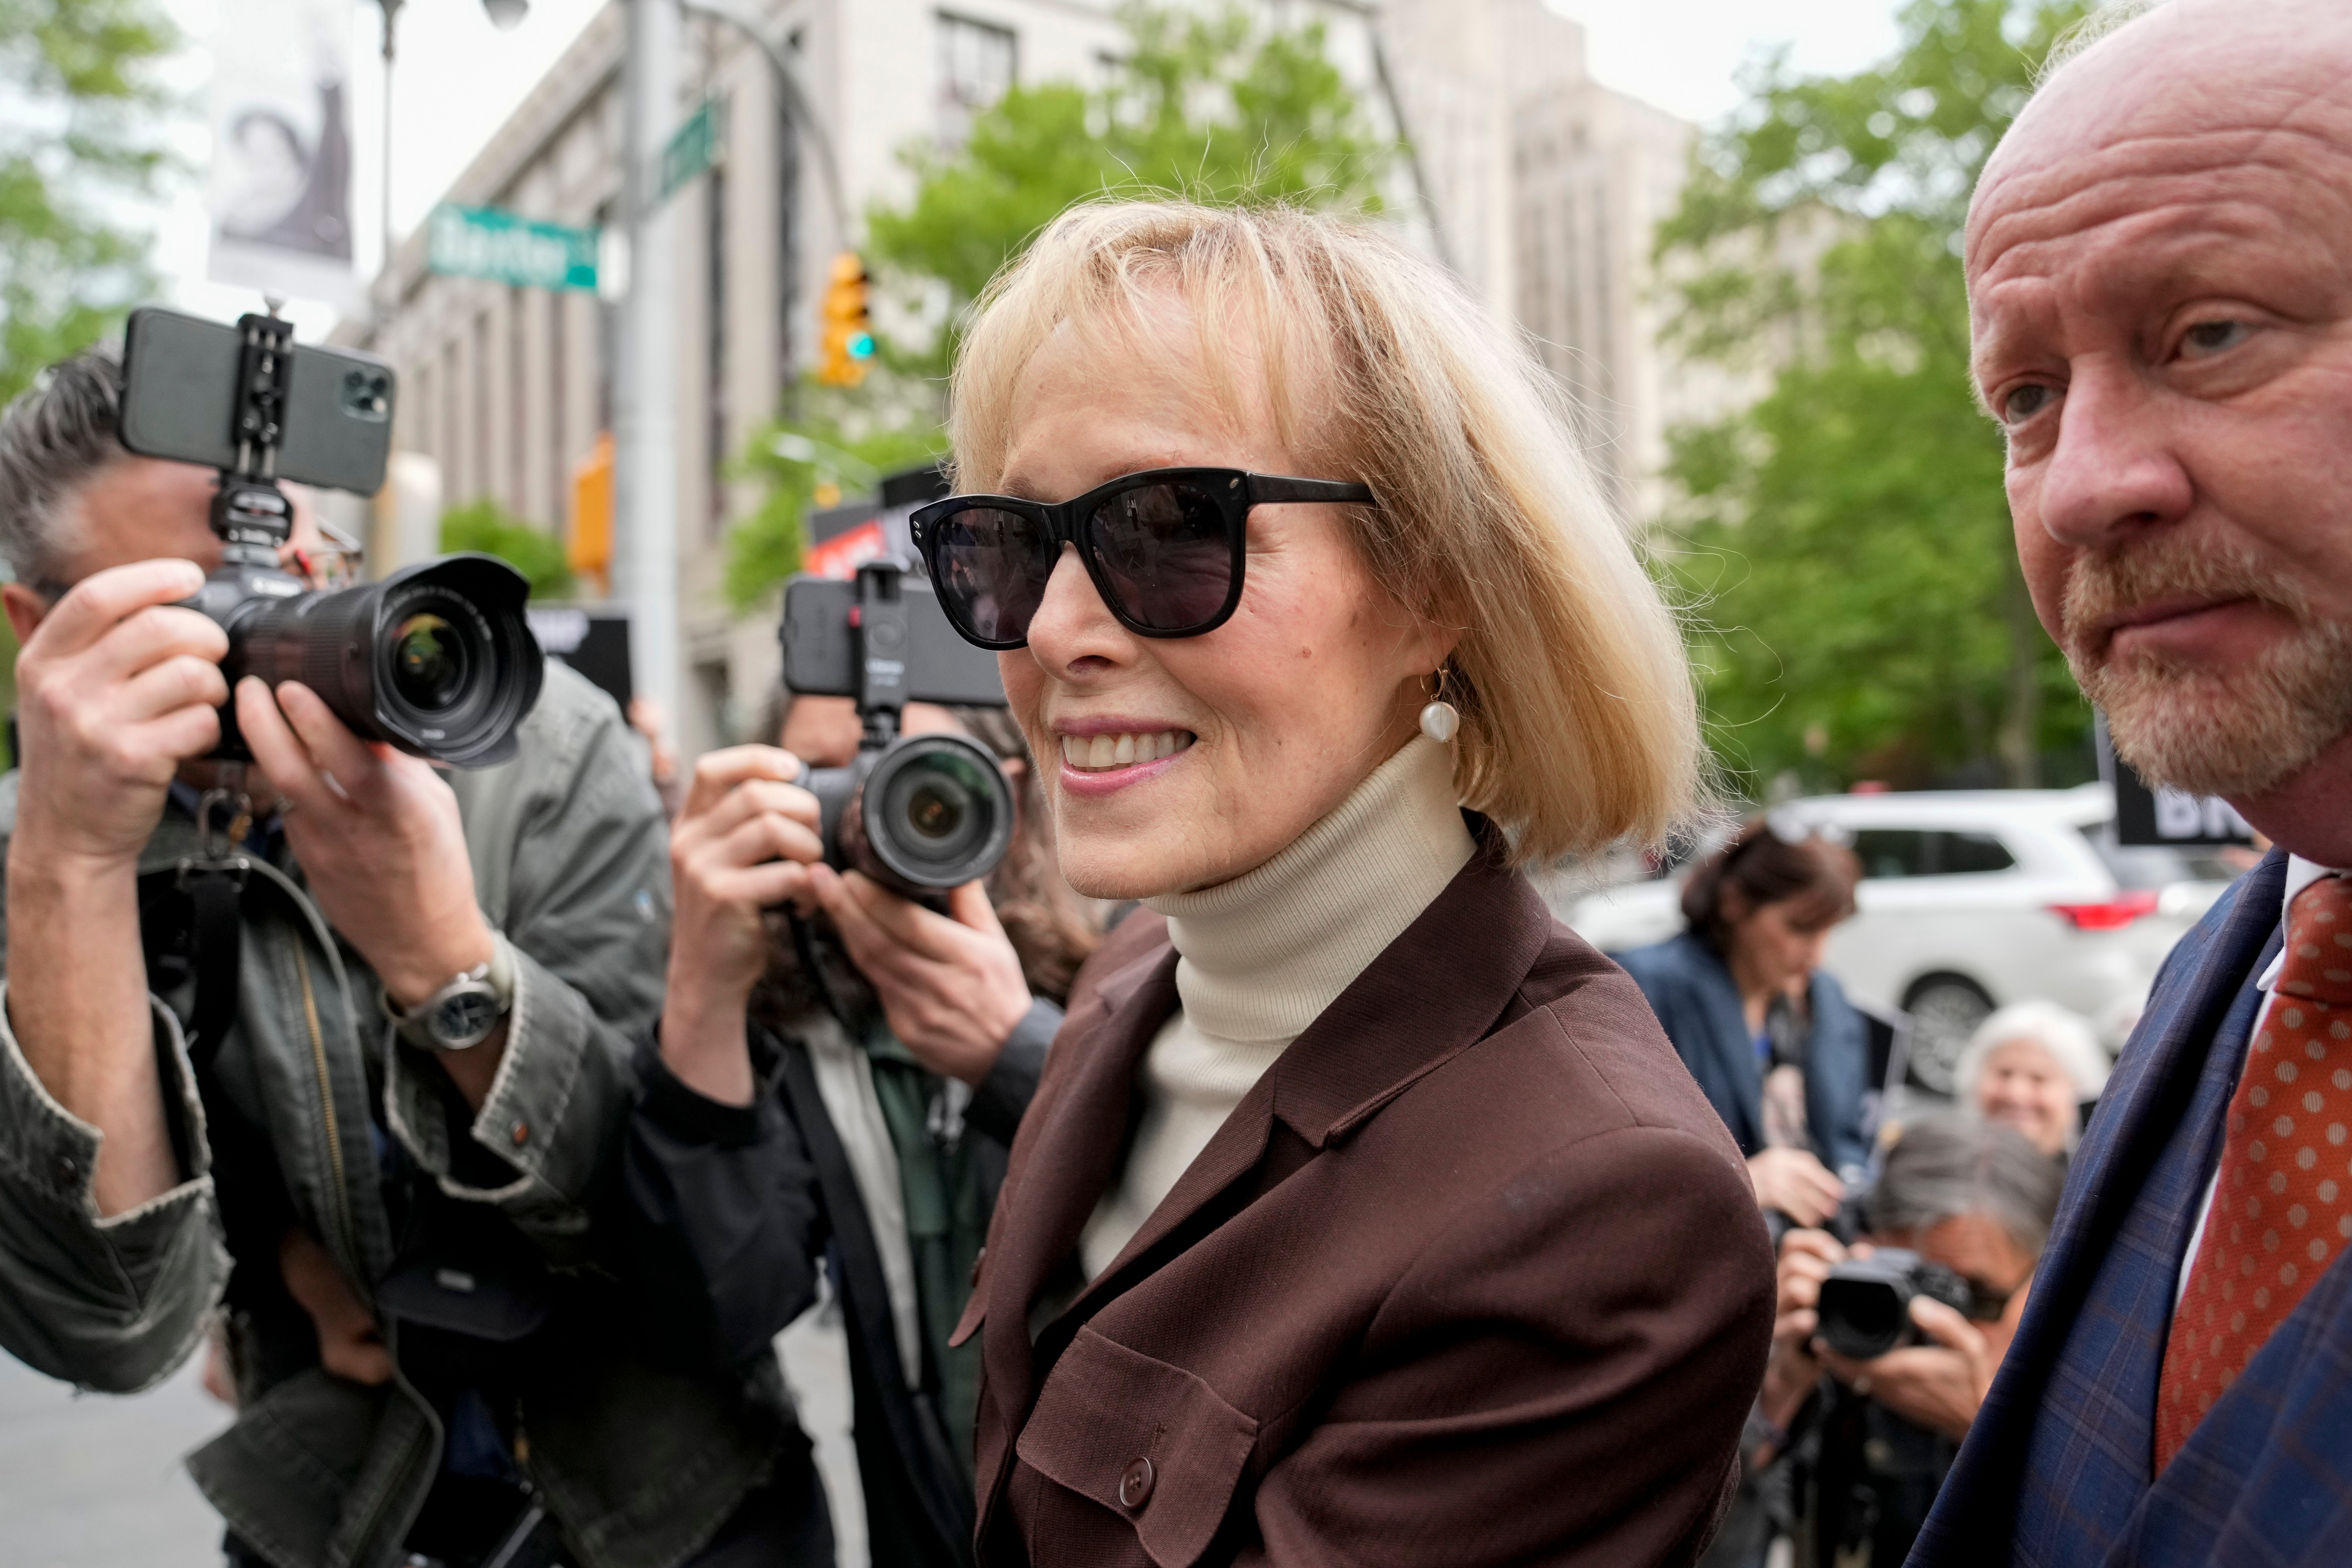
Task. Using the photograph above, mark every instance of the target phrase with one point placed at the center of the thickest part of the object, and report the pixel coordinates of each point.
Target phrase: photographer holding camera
(842, 1080)
(1924, 1305)
(348, 1059)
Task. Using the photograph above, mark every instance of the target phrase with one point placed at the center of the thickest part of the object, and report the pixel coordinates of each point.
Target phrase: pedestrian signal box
(849, 340)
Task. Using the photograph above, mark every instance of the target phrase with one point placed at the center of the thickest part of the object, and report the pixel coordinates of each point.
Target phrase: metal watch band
(463, 1012)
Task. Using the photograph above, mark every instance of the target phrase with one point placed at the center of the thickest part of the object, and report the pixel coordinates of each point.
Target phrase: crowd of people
(1251, 1169)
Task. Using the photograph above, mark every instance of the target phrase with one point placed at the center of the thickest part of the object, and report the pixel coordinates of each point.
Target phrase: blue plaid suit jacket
(2057, 1468)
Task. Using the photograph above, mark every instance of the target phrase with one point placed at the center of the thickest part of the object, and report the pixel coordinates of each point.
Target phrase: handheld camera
(918, 813)
(1865, 1305)
(435, 659)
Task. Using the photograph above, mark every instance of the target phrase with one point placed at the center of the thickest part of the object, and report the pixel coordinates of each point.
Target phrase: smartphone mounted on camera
(918, 813)
(435, 659)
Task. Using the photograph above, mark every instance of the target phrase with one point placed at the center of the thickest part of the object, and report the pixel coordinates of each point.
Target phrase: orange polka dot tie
(2282, 1196)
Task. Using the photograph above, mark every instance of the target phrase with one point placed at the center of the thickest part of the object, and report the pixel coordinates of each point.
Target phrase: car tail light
(2113, 915)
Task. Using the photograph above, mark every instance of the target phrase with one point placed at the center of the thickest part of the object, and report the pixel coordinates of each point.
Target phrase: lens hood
(435, 659)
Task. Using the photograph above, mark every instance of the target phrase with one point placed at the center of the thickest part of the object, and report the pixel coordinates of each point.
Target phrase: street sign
(484, 242)
(696, 145)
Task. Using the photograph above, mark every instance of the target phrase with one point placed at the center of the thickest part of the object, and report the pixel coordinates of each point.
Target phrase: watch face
(465, 1018)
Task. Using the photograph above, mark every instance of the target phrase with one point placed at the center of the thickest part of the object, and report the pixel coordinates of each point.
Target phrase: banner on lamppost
(486, 242)
(279, 190)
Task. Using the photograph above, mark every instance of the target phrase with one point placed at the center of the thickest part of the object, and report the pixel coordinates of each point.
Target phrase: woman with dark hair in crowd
(886, 1055)
(1771, 1039)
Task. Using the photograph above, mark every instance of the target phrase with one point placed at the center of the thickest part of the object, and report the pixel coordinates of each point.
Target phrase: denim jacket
(639, 1464)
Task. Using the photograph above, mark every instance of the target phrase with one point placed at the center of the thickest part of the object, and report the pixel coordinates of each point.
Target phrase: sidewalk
(91, 1480)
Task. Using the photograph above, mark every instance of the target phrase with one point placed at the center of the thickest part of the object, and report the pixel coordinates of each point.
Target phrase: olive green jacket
(570, 860)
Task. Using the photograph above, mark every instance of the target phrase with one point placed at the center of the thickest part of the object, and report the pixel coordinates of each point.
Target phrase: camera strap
(216, 943)
(191, 920)
(804, 945)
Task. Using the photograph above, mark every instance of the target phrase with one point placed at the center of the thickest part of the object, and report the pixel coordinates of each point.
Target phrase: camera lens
(437, 658)
(934, 812)
(429, 663)
(930, 809)
(936, 809)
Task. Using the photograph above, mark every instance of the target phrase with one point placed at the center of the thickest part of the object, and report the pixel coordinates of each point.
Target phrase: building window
(608, 338)
(558, 324)
(518, 379)
(788, 247)
(477, 481)
(976, 65)
(715, 320)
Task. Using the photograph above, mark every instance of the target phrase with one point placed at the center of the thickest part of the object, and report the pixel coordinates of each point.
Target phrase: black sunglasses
(1164, 547)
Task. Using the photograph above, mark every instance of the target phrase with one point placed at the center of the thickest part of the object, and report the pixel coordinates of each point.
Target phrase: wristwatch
(462, 1014)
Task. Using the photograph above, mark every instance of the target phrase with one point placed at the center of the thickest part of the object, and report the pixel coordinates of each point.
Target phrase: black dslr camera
(1866, 1304)
(918, 813)
(437, 658)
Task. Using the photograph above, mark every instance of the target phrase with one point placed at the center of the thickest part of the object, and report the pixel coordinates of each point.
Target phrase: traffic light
(848, 341)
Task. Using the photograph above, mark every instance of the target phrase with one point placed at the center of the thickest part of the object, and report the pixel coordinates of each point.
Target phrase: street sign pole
(645, 401)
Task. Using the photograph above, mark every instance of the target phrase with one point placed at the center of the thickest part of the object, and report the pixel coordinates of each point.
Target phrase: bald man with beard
(2159, 263)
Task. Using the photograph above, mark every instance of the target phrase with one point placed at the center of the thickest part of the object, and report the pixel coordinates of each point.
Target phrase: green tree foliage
(81, 134)
(484, 526)
(78, 132)
(842, 442)
(1207, 105)
(1846, 536)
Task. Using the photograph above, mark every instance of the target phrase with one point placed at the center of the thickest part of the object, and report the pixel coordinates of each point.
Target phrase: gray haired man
(430, 1329)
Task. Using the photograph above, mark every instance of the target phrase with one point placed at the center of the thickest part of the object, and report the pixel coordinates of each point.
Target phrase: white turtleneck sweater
(1260, 957)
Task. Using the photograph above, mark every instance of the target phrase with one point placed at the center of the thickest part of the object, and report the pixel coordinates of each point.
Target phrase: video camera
(1865, 1302)
(435, 659)
(918, 813)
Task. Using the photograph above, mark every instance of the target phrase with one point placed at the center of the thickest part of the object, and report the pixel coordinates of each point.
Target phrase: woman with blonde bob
(1364, 1215)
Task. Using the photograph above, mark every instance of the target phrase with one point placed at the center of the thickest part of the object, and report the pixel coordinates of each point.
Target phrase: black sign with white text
(2160, 814)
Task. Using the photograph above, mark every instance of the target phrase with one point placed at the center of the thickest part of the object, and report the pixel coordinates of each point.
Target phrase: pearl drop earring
(1440, 718)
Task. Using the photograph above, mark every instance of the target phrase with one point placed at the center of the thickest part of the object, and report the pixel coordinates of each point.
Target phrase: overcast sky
(457, 78)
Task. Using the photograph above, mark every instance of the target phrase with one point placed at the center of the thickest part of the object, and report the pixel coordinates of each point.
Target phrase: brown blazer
(1474, 1275)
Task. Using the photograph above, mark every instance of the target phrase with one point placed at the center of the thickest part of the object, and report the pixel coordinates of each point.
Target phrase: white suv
(1971, 901)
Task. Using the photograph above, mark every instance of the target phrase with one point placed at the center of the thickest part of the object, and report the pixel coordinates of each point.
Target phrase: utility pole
(391, 19)
(645, 380)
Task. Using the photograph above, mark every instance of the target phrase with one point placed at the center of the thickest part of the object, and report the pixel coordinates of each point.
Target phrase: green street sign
(484, 242)
(695, 147)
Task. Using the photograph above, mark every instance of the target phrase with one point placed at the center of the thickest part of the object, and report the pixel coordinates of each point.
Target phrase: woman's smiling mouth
(1106, 752)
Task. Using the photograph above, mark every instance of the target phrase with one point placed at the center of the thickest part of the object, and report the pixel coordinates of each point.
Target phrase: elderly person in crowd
(1869, 1442)
(2159, 265)
(2033, 1065)
(1363, 1214)
(1781, 1055)
(862, 1072)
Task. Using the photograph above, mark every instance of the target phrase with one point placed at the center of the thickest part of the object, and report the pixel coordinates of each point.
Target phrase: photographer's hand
(380, 841)
(1939, 1385)
(952, 988)
(1796, 1184)
(741, 845)
(351, 1342)
(1791, 1373)
(115, 688)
